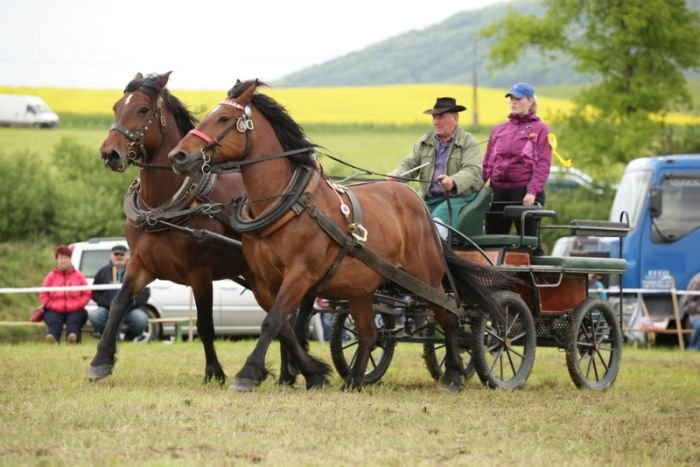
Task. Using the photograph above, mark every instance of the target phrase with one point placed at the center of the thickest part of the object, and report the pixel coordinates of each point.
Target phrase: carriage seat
(518, 214)
(471, 218)
(578, 264)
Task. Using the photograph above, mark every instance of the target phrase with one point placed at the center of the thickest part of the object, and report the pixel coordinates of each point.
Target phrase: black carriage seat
(518, 214)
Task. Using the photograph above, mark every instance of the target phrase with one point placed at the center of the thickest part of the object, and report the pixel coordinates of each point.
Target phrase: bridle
(137, 137)
(243, 124)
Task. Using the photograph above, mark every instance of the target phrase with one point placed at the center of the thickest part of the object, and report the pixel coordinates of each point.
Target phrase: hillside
(442, 53)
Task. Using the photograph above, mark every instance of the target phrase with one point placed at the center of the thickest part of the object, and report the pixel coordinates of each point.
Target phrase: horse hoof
(96, 373)
(244, 385)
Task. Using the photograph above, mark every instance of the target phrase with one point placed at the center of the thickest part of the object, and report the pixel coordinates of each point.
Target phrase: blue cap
(520, 90)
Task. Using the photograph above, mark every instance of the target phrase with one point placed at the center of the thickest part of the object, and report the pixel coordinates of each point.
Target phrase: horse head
(139, 122)
(224, 134)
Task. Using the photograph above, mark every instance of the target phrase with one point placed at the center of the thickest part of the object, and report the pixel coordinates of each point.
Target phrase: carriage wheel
(504, 353)
(594, 347)
(434, 353)
(344, 347)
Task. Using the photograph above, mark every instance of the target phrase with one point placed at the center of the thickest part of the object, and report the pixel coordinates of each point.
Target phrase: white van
(26, 110)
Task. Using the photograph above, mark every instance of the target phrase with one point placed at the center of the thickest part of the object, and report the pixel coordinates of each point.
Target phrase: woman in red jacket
(64, 307)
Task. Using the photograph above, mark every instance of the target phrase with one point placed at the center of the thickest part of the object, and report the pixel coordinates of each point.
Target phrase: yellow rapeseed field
(380, 105)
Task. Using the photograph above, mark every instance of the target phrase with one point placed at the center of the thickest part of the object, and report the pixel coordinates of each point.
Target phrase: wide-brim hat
(444, 105)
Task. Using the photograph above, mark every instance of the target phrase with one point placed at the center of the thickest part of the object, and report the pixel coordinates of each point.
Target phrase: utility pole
(475, 84)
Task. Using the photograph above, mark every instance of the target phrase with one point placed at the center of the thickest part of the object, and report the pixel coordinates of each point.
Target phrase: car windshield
(630, 195)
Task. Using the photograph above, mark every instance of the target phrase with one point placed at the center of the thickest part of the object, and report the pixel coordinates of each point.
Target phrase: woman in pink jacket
(517, 161)
(64, 307)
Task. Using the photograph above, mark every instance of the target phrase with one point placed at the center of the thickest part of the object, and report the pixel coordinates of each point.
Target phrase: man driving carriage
(448, 162)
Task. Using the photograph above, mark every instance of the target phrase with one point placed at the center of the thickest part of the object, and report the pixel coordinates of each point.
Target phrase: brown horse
(288, 251)
(149, 121)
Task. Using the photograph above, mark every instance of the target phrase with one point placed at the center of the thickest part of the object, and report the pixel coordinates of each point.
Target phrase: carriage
(551, 307)
(480, 303)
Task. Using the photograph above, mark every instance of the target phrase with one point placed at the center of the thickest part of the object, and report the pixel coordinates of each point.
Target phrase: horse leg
(361, 311)
(314, 370)
(452, 378)
(254, 370)
(203, 297)
(103, 362)
(289, 370)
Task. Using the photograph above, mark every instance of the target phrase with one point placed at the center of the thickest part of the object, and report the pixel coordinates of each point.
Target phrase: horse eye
(143, 110)
(224, 119)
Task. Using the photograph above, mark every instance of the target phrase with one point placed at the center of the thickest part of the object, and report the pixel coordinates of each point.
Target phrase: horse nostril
(113, 156)
(178, 156)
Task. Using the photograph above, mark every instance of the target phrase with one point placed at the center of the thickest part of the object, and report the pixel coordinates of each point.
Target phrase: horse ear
(138, 77)
(247, 95)
(238, 81)
(163, 79)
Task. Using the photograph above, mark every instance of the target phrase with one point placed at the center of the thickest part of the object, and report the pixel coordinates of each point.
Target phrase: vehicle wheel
(344, 346)
(154, 331)
(504, 353)
(434, 353)
(594, 347)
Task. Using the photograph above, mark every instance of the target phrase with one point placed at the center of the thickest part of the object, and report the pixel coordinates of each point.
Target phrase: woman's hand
(529, 200)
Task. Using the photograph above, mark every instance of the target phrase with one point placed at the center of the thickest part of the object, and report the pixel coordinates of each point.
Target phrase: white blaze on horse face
(128, 99)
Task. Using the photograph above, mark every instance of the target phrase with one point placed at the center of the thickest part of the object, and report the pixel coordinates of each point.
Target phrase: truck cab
(661, 195)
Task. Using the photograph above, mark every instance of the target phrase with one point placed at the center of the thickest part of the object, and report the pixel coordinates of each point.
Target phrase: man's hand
(446, 182)
(390, 176)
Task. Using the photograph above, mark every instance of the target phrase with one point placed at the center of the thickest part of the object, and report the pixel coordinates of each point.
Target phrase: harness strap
(383, 267)
(350, 240)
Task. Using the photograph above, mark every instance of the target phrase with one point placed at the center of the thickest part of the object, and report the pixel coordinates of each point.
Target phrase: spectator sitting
(594, 282)
(136, 319)
(64, 307)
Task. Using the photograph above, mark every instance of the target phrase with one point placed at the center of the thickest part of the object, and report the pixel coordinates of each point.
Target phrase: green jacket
(463, 163)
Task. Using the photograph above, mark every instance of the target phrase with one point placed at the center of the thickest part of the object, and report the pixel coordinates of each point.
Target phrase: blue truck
(661, 197)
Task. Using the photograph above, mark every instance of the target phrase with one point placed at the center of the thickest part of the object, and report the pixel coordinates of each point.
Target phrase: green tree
(635, 52)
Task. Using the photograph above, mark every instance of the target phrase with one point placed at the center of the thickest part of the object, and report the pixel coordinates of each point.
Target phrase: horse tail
(475, 283)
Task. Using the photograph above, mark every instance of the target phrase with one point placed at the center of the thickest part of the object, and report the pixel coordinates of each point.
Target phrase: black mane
(151, 86)
(289, 132)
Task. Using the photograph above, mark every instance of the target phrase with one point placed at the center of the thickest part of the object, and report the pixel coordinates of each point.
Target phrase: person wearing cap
(517, 162)
(446, 160)
(64, 307)
(136, 319)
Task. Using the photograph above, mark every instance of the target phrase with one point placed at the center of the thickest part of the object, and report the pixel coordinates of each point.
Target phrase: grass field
(377, 148)
(154, 411)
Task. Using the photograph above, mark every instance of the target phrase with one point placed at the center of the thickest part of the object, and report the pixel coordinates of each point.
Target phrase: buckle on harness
(358, 232)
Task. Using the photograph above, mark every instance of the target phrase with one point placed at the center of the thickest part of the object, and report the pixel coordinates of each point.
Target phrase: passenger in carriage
(517, 161)
(447, 161)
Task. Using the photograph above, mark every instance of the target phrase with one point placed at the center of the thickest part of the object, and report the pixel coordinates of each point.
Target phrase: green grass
(377, 148)
(154, 411)
(42, 141)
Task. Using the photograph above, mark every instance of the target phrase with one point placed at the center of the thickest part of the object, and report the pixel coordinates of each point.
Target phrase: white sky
(207, 43)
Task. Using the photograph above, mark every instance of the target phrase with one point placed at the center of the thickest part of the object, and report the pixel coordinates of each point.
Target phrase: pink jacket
(64, 301)
(518, 154)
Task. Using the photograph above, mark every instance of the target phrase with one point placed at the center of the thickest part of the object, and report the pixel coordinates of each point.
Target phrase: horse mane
(150, 85)
(289, 132)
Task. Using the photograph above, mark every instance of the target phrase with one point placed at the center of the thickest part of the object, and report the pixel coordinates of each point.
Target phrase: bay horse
(290, 250)
(149, 121)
